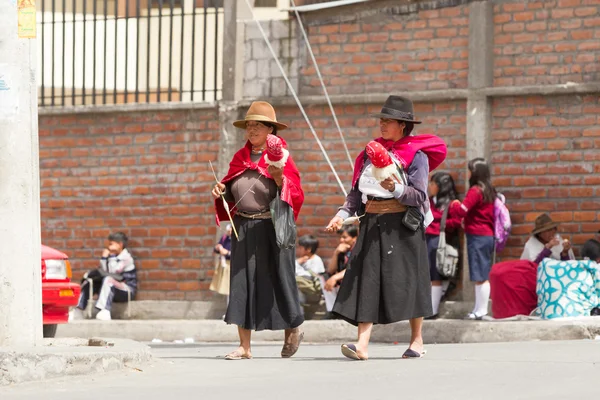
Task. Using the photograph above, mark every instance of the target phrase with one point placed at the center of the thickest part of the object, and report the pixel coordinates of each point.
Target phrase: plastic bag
(283, 221)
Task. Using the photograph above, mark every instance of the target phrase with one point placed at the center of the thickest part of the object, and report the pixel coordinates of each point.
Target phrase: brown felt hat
(260, 111)
(543, 223)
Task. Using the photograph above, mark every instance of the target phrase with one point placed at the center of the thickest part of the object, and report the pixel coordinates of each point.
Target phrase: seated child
(336, 267)
(117, 275)
(309, 267)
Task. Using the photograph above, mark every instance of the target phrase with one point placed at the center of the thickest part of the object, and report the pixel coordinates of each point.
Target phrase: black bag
(413, 219)
(283, 221)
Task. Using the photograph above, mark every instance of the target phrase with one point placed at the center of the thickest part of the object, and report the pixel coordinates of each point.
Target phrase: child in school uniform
(477, 209)
(442, 192)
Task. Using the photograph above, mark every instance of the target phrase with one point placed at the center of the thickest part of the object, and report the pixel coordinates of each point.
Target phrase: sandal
(238, 355)
(349, 350)
(290, 347)
(410, 353)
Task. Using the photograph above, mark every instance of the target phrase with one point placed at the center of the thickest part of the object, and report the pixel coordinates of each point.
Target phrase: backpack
(502, 224)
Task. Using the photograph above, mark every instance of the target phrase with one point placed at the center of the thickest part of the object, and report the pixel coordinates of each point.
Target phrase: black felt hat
(398, 108)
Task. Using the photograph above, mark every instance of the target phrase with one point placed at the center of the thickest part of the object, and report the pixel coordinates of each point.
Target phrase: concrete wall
(262, 76)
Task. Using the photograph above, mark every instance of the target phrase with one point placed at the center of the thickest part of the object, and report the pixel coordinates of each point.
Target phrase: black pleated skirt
(387, 279)
(263, 293)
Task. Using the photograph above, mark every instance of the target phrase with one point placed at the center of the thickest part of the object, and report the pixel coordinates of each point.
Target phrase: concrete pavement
(68, 357)
(438, 331)
(532, 370)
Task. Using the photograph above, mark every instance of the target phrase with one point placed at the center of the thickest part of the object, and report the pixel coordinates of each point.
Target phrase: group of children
(315, 280)
(475, 214)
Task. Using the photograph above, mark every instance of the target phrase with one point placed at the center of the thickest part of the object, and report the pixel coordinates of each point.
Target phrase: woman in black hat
(388, 275)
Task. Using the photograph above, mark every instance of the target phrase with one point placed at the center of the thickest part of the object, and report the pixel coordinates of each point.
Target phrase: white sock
(477, 301)
(445, 285)
(482, 293)
(436, 296)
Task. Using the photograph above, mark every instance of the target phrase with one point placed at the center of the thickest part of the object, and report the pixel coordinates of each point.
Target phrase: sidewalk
(438, 331)
(62, 357)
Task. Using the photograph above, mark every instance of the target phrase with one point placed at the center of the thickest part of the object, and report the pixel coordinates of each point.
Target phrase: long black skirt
(263, 294)
(387, 279)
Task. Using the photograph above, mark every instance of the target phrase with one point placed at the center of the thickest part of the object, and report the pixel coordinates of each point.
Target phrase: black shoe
(432, 317)
(330, 315)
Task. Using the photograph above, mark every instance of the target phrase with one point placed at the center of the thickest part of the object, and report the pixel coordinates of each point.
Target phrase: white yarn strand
(314, 60)
(312, 130)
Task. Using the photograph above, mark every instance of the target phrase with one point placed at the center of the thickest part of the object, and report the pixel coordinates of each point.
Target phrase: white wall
(117, 80)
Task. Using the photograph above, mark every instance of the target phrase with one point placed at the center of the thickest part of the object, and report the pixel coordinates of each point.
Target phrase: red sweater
(452, 221)
(478, 215)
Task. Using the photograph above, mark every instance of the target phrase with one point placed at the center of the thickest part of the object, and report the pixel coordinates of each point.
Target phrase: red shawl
(405, 149)
(291, 190)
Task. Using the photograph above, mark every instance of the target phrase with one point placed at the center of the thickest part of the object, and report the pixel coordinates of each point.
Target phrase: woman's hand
(105, 253)
(566, 247)
(276, 174)
(388, 184)
(335, 224)
(223, 251)
(554, 242)
(218, 190)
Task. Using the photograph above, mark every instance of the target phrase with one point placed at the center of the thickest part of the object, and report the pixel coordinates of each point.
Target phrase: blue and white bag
(567, 288)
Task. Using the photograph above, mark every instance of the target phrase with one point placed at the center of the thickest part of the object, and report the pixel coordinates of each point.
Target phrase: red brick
(562, 13)
(586, 11)
(327, 29)
(568, 3)
(349, 28)
(591, 22)
(348, 48)
(582, 35)
(360, 38)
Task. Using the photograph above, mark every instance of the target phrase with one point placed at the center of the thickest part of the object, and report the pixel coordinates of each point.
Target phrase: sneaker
(474, 317)
(103, 315)
(76, 314)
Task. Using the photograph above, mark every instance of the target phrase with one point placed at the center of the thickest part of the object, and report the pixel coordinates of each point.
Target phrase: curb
(65, 357)
(438, 331)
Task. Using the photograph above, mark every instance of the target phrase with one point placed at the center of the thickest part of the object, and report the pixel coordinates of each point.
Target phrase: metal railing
(129, 51)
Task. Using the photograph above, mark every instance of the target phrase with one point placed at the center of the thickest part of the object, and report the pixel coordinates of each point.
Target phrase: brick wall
(426, 50)
(544, 148)
(145, 173)
(546, 159)
(546, 42)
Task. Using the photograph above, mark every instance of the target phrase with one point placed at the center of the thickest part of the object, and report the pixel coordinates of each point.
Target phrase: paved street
(532, 370)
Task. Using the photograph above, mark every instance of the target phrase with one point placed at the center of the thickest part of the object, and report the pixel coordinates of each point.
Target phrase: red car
(58, 293)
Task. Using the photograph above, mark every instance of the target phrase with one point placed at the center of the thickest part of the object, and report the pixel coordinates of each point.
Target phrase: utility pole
(20, 238)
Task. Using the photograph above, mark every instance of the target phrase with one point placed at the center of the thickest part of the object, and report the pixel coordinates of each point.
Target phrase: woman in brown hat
(546, 243)
(263, 291)
(387, 279)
